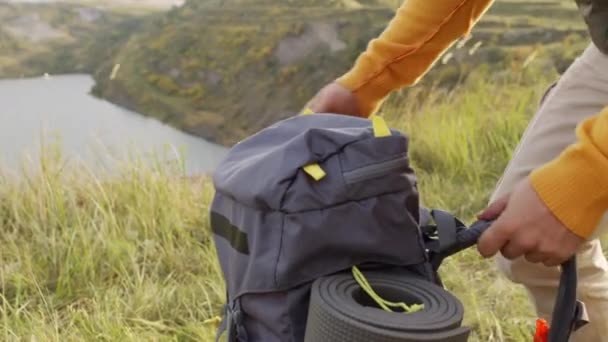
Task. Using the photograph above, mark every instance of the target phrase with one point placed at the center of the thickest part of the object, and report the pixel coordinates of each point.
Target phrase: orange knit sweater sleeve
(574, 186)
(416, 37)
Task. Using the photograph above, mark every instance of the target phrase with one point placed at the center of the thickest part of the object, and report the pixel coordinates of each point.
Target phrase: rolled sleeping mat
(340, 310)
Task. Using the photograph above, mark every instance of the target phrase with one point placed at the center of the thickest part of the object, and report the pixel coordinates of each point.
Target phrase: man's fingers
(536, 257)
(519, 245)
(553, 262)
(334, 98)
(494, 209)
(512, 250)
(493, 239)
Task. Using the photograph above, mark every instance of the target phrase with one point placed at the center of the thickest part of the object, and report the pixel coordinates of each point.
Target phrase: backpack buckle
(235, 331)
(441, 239)
(230, 332)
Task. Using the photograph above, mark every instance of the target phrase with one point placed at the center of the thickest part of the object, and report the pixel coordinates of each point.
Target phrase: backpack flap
(257, 171)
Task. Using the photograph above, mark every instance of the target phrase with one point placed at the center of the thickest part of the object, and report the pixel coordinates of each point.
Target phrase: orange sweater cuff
(575, 185)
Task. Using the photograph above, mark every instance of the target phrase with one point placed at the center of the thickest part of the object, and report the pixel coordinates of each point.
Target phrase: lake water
(59, 110)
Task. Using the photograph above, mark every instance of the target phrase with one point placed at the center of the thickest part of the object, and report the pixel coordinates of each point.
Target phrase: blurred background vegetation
(131, 259)
(224, 69)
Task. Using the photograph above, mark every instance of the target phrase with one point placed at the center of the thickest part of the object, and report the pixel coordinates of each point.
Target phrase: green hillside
(224, 69)
(226, 72)
(60, 38)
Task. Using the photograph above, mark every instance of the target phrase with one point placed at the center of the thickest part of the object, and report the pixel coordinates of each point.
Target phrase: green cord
(384, 304)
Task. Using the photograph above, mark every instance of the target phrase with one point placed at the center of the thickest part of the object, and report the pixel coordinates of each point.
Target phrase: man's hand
(524, 226)
(335, 99)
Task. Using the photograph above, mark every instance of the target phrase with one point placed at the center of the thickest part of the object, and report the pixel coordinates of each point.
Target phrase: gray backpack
(307, 197)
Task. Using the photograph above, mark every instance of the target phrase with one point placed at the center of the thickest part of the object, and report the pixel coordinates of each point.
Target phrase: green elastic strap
(384, 304)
